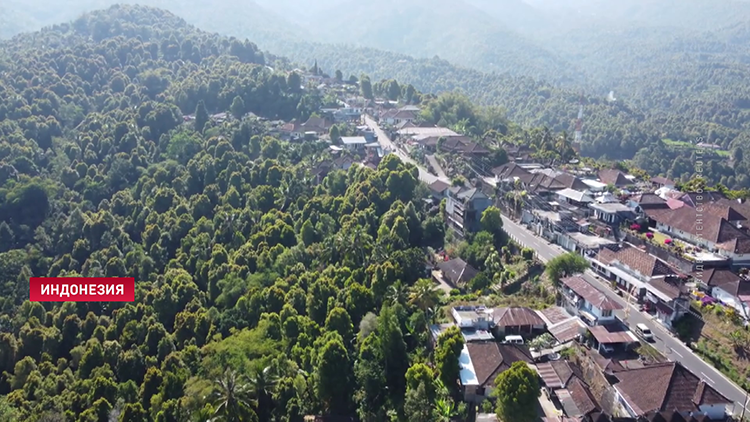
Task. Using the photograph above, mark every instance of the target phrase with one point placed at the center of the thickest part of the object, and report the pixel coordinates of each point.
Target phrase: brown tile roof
(726, 280)
(590, 293)
(724, 210)
(636, 259)
(457, 271)
(571, 182)
(489, 359)
(694, 198)
(514, 317)
(557, 374)
(581, 395)
(439, 186)
(661, 181)
(704, 225)
(671, 287)
(463, 146)
(613, 177)
(650, 200)
(510, 170)
(293, 126)
(671, 386)
(317, 124)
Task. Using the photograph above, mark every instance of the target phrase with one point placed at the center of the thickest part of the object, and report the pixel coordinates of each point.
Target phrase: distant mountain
(451, 29)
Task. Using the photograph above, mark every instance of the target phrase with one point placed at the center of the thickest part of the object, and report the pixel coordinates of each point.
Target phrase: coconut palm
(424, 294)
(262, 383)
(232, 397)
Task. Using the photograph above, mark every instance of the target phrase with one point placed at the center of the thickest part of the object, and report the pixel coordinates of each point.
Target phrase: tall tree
(517, 390)
(334, 378)
(238, 107)
(395, 357)
(449, 346)
(366, 87)
(201, 116)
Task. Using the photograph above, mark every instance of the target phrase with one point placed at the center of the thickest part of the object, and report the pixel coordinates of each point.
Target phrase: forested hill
(261, 295)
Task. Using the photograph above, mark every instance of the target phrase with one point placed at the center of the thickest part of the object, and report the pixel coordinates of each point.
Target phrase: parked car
(644, 332)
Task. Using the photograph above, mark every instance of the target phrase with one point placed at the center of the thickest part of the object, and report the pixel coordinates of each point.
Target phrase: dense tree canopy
(260, 294)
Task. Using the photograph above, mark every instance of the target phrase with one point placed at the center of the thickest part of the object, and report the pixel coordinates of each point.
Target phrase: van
(514, 339)
(644, 332)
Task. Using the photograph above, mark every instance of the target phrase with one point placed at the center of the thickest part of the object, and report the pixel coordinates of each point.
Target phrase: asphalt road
(386, 142)
(665, 342)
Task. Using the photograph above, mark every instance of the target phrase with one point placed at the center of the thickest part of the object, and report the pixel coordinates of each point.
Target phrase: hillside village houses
(578, 210)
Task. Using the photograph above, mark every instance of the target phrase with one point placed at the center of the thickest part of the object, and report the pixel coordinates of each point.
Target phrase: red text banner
(82, 289)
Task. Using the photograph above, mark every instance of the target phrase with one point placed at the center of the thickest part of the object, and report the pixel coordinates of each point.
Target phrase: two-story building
(464, 208)
(612, 213)
(354, 143)
(581, 298)
(699, 227)
(629, 267)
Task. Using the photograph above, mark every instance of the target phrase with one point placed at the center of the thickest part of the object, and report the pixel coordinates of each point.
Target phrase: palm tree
(424, 294)
(232, 398)
(396, 293)
(262, 383)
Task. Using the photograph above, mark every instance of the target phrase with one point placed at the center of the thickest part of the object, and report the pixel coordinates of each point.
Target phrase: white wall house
(583, 299)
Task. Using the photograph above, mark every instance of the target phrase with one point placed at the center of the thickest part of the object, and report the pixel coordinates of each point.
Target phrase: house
(518, 320)
(480, 364)
(397, 116)
(457, 272)
(670, 387)
(574, 197)
(660, 182)
(646, 201)
(510, 172)
(292, 131)
(474, 317)
(614, 177)
(581, 298)
(613, 213)
(629, 267)
(564, 382)
(694, 199)
(705, 230)
(439, 189)
(667, 298)
(464, 208)
(319, 125)
(417, 133)
(354, 143)
(461, 145)
(727, 287)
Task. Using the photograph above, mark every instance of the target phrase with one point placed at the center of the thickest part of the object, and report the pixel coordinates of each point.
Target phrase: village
(657, 256)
